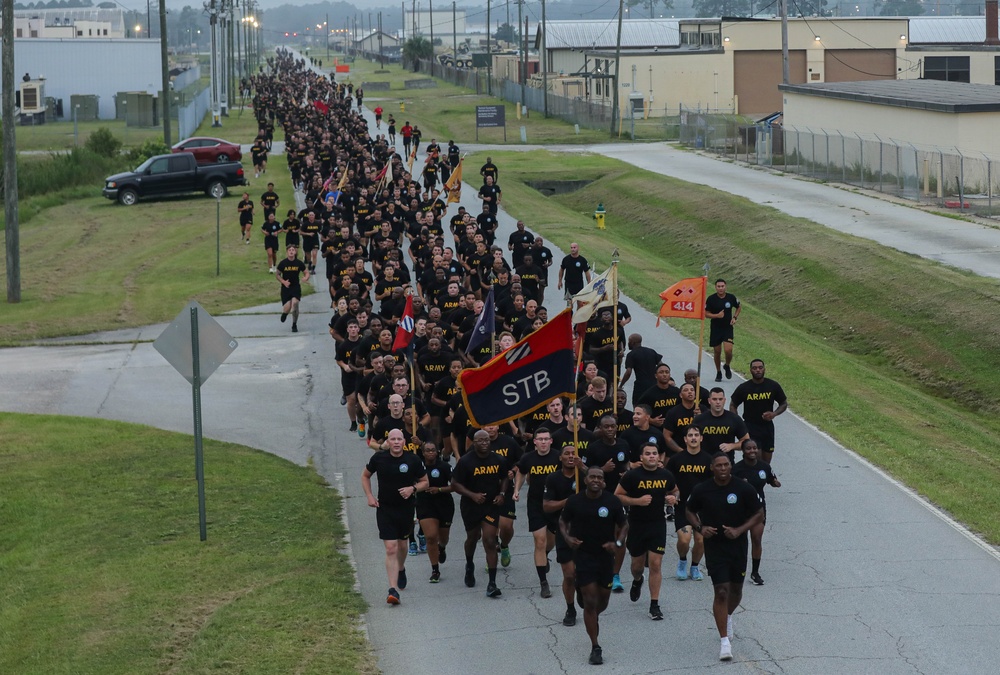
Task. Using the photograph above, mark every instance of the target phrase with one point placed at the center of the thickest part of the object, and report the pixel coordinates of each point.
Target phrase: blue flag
(485, 325)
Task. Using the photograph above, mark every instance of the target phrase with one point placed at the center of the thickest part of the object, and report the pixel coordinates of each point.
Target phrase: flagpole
(701, 340)
(614, 341)
(572, 410)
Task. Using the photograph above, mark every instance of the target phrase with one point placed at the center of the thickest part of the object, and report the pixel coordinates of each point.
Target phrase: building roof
(66, 17)
(933, 95)
(603, 33)
(947, 30)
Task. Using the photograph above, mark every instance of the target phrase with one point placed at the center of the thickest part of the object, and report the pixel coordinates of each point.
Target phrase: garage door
(851, 65)
(757, 75)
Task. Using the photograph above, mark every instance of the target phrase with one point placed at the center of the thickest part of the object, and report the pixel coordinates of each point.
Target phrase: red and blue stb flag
(525, 377)
(404, 331)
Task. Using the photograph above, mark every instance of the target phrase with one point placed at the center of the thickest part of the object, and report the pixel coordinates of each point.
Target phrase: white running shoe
(726, 651)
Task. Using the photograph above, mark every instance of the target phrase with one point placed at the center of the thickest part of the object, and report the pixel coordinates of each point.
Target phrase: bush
(138, 155)
(79, 167)
(104, 143)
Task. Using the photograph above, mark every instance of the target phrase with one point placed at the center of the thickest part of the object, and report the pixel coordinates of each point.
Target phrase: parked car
(173, 174)
(208, 150)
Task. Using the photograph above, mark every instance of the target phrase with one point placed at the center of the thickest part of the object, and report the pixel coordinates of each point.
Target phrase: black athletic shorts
(270, 242)
(394, 523)
(308, 243)
(509, 507)
(440, 508)
(726, 563)
(764, 438)
(680, 517)
(536, 517)
(719, 335)
(293, 291)
(564, 553)
(592, 568)
(349, 381)
(474, 514)
(646, 537)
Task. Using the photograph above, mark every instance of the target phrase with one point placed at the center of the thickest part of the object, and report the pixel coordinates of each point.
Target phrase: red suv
(209, 150)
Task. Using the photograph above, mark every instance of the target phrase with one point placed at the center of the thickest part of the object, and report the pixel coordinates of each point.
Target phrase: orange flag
(453, 186)
(684, 300)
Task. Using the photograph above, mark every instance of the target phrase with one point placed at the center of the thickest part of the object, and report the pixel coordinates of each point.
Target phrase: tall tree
(704, 8)
(647, 6)
(900, 8)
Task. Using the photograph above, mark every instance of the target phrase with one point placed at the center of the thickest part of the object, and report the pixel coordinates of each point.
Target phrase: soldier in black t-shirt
(345, 355)
(662, 396)
(640, 433)
(594, 525)
(287, 272)
(560, 486)
(641, 362)
(611, 454)
(270, 201)
(480, 477)
(680, 417)
(724, 509)
(573, 270)
(723, 309)
(757, 473)
(271, 228)
(400, 475)
(435, 508)
(535, 466)
(647, 490)
(759, 396)
(722, 430)
(245, 209)
(689, 468)
(510, 450)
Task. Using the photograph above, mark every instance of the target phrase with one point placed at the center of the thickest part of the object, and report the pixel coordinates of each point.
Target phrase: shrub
(104, 143)
(138, 155)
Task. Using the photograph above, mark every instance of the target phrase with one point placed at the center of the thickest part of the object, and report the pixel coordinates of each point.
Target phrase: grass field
(59, 135)
(88, 264)
(891, 354)
(102, 570)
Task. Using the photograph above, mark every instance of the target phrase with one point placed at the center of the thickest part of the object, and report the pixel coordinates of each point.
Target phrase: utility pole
(165, 74)
(223, 60)
(523, 61)
(381, 59)
(326, 25)
(402, 21)
(543, 63)
(213, 20)
(618, 57)
(454, 35)
(430, 5)
(784, 41)
(489, 53)
(12, 229)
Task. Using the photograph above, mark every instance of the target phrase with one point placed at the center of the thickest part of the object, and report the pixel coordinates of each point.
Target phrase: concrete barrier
(375, 86)
(420, 84)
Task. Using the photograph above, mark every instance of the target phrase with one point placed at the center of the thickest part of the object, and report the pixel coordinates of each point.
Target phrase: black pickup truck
(173, 174)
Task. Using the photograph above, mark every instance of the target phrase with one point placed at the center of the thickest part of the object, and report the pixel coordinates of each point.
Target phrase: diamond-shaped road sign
(214, 343)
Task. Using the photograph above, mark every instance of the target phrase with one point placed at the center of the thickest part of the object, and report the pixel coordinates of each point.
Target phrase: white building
(69, 23)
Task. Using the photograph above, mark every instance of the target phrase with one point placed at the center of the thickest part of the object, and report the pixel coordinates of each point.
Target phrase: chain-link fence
(927, 174)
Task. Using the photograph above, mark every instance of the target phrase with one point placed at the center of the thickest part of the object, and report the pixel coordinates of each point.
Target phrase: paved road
(862, 577)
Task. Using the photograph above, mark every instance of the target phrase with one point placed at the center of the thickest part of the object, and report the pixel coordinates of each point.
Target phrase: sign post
(489, 116)
(195, 344)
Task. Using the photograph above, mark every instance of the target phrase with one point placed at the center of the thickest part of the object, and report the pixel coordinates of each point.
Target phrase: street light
(138, 30)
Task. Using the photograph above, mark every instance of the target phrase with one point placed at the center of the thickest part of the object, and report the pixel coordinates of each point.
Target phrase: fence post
(961, 180)
(989, 185)
(880, 153)
(843, 157)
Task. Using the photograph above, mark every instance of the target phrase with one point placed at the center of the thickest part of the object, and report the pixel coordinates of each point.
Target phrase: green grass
(88, 264)
(891, 354)
(449, 112)
(59, 135)
(102, 570)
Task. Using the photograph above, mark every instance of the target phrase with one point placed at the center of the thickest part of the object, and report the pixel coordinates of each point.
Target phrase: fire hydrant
(402, 106)
(599, 216)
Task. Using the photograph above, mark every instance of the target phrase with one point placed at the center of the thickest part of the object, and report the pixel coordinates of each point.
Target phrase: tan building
(736, 65)
(70, 23)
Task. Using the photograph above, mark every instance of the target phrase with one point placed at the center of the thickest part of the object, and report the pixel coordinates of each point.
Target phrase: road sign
(489, 116)
(214, 343)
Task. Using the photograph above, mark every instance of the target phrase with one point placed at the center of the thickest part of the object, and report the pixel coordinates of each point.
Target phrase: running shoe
(729, 371)
(470, 574)
(422, 543)
(295, 327)
(726, 652)
(505, 557)
(413, 548)
(545, 592)
(442, 556)
(682, 569)
(284, 317)
(492, 591)
(271, 271)
(636, 590)
(670, 513)
(655, 613)
(361, 426)
(718, 376)
(354, 426)
(696, 573)
(570, 618)
(393, 597)
(343, 400)
(435, 577)
(755, 578)
(402, 580)
(616, 584)
(596, 656)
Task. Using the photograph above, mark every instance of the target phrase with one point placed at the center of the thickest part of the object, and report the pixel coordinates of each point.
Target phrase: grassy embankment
(893, 355)
(102, 571)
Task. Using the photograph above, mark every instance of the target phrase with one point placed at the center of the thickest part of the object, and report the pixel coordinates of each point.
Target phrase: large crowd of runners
(603, 478)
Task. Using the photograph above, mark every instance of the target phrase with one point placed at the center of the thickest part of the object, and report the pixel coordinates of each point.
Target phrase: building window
(20, 33)
(105, 31)
(947, 68)
(34, 33)
(996, 70)
(79, 33)
(90, 32)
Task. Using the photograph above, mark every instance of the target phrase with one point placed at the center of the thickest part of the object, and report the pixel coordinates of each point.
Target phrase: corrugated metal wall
(90, 66)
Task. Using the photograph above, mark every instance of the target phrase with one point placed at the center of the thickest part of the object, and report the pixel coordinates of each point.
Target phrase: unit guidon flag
(525, 377)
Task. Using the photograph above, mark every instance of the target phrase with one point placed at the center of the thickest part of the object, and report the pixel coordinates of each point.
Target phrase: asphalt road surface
(861, 575)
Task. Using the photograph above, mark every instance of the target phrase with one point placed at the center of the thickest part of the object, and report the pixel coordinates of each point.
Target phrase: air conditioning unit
(32, 97)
